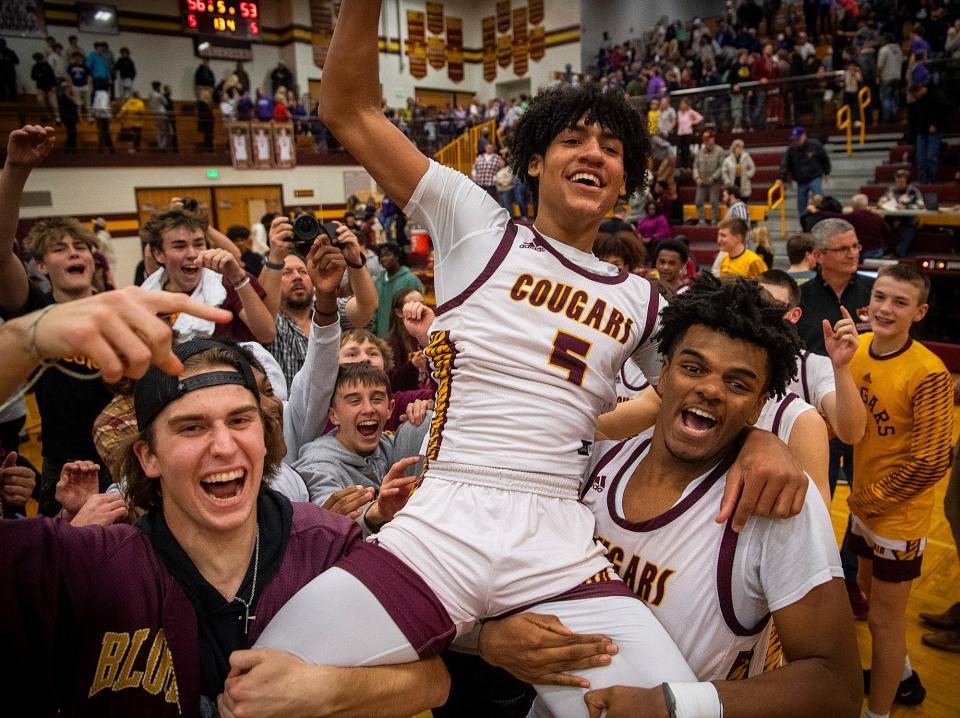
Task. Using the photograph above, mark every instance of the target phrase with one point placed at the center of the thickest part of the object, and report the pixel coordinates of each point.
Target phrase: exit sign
(213, 174)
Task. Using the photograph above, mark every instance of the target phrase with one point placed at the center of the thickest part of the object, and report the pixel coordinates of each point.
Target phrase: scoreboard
(222, 18)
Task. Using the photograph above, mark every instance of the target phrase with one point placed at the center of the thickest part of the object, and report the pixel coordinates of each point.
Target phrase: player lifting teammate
(530, 332)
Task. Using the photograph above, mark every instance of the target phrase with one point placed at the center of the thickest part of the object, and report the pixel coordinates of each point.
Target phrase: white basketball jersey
(669, 574)
(526, 356)
(630, 381)
(814, 379)
(779, 415)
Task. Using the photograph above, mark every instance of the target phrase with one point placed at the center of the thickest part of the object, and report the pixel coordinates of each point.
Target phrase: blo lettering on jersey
(557, 297)
(880, 416)
(121, 652)
(649, 582)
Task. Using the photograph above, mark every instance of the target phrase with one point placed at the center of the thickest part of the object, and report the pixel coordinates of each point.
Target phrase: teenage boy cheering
(908, 394)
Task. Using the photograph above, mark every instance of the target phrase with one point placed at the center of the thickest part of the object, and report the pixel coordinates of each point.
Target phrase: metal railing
(845, 125)
(461, 153)
(775, 200)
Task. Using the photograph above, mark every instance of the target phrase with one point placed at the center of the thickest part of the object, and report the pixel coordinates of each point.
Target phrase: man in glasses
(836, 284)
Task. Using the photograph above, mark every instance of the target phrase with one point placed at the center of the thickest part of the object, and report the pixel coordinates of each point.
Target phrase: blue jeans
(889, 100)
(805, 192)
(520, 197)
(928, 156)
(506, 200)
(871, 253)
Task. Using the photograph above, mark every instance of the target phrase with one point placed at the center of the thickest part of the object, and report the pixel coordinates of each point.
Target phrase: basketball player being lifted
(530, 332)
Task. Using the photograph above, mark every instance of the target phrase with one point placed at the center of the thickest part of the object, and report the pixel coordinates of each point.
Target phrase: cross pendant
(246, 622)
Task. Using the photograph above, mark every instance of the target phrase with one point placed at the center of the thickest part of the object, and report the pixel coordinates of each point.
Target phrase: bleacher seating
(948, 193)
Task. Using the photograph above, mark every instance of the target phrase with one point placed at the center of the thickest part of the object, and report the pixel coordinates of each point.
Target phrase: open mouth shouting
(368, 428)
(190, 270)
(224, 485)
(77, 269)
(698, 422)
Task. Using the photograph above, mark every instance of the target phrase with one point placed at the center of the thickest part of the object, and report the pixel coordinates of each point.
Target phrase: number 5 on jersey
(570, 354)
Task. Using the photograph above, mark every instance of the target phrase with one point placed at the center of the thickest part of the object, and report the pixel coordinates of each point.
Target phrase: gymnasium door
(157, 199)
(246, 205)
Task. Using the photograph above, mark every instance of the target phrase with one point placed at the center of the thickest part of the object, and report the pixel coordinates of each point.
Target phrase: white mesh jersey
(529, 335)
(779, 415)
(712, 589)
(814, 379)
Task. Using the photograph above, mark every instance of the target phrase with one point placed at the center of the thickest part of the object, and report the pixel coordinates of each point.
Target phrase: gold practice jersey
(906, 450)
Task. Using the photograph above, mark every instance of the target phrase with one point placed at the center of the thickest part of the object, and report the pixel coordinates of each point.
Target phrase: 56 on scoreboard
(222, 18)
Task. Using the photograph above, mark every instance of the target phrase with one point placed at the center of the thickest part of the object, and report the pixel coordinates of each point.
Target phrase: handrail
(863, 101)
(844, 123)
(778, 203)
(461, 152)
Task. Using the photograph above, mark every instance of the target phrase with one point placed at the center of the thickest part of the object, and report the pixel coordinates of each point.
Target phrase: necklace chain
(253, 589)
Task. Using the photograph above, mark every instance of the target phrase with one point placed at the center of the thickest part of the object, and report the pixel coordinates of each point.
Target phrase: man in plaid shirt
(486, 167)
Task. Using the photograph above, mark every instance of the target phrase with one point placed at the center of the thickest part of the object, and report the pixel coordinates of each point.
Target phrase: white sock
(907, 668)
(867, 713)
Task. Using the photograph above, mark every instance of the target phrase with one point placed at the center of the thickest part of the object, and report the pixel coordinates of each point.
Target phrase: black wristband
(670, 699)
(363, 261)
(272, 265)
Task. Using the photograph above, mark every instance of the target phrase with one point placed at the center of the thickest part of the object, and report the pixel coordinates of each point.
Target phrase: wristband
(363, 261)
(242, 283)
(694, 700)
(32, 333)
(670, 700)
(267, 264)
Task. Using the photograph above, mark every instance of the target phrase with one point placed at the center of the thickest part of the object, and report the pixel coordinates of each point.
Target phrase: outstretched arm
(350, 104)
(26, 148)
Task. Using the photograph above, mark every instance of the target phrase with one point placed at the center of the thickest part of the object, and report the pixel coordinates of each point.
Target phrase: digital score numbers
(222, 18)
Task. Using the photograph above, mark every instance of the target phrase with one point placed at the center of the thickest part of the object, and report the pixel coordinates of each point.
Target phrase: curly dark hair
(560, 108)
(735, 307)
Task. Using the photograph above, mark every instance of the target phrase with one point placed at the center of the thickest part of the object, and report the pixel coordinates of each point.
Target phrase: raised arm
(843, 408)
(26, 148)
(350, 104)
(810, 446)
(281, 244)
(362, 305)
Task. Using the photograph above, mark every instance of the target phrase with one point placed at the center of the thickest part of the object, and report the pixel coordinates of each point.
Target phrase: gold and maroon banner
(455, 48)
(538, 43)
(321, 19)
(436, 52)
(490, 48)
(503, 15)
(520, 42)
(504, 50)
(435, 17)
(536, 11)
(416, 44)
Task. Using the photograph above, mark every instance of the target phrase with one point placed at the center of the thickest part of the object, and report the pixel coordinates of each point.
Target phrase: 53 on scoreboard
(222, 18)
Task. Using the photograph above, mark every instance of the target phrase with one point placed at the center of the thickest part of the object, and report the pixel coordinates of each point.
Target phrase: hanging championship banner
(538, 43)
(416, 44)
(490, 48)
(504, 50)
(435, 17)
(520, 42)
(536, 11)
(436, 52)
(455, 48)
(321, 19)
(503, 15)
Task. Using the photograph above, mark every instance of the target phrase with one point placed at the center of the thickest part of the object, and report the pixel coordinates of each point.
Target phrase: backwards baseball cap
(796, 132)
(157, 388)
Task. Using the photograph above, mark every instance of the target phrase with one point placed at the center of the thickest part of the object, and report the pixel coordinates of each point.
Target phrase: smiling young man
(529, 334)
(670, 259)
(735, 257)
(216, 554)
(654, 499)
(63, 248)
(178, 241)
(908, 394)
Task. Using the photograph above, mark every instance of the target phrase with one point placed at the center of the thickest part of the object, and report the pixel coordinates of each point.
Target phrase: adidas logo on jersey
(531, 245)
(867, 379)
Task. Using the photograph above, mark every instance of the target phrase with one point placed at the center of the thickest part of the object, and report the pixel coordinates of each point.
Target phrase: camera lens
(306, 228)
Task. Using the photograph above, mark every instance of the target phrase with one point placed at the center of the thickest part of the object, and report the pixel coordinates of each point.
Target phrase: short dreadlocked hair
(735, 307)
(560, 108)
